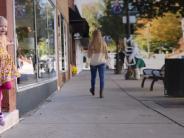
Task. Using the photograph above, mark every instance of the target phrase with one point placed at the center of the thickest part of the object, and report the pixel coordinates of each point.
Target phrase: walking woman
(97, 53)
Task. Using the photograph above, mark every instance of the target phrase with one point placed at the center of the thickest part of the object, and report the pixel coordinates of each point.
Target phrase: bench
(154, 75)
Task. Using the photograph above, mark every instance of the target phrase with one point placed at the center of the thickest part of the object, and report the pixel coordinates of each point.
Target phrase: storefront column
(2, 7)
(9, 97)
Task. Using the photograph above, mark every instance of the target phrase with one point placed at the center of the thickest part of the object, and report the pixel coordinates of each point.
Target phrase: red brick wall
(3, 8)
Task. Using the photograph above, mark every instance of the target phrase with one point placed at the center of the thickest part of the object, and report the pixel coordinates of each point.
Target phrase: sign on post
(132, 19)
(117, 6)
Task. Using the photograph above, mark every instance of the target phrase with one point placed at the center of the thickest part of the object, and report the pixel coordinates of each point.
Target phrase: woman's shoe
(101, 94)
(92, 91)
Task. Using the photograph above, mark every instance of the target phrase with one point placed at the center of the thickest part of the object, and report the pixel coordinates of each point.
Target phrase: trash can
(174, 77)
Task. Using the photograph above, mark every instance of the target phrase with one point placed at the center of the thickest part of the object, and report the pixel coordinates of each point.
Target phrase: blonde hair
(3, 39)
(3, 21)
(97, 44)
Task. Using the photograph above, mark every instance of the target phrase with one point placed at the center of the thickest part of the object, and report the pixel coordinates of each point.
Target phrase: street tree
(91, 13)
(111, 25)
(152, 8)
(161, 32)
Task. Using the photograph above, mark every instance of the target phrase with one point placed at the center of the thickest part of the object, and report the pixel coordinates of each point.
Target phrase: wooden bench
(154, 75)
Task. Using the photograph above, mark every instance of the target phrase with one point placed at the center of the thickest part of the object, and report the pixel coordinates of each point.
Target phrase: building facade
(79, 30)
(44, 50)
(40, 31)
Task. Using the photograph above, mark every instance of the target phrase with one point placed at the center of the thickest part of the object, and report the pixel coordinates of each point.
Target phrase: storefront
(40, 32)
(79, 29)
(35, 25)
(62, 50)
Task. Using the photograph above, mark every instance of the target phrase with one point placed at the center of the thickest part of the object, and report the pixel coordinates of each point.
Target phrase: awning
(77, 23)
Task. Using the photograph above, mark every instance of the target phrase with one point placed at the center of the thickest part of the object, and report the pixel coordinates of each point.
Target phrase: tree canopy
(91, 13)
(111, 24)
(152, 8)
(161, 32)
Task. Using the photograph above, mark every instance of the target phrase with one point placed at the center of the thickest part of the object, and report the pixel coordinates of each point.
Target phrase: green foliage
(91, 12)
(157, 46)
(153, 8)
(22, 32)
(166, 28)
(111, 46)
(162, 33)
(99, 15)
(42, 50)
(111, 24)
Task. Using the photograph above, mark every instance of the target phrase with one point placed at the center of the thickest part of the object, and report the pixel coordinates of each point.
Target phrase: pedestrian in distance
(8, 69)
(97, 53)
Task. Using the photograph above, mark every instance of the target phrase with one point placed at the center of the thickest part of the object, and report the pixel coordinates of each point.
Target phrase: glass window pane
(63, 44)
(45, 39)
(26, 62)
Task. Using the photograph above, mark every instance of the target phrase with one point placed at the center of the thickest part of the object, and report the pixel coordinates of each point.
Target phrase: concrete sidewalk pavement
(126, 111)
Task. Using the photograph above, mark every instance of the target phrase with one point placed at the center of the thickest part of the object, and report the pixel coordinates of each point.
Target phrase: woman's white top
(97, 59)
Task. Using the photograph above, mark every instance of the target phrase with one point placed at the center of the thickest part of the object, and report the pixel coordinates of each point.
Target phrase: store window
(35, 45)
(26, 50)
(63, 44)
(45, 39)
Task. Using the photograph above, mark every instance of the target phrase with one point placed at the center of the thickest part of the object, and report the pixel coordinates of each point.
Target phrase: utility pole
(130, 13)
(127, 75)
(127, 18)
(117, 8)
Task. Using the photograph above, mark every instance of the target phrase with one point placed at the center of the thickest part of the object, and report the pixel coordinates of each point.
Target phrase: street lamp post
(127, 18)
(117, 8)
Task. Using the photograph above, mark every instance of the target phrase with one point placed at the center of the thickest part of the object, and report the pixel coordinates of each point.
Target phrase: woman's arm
(105, 50)
(89, 51)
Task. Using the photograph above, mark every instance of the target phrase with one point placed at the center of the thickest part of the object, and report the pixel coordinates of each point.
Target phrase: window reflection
(26, 42)
(36, 49)
(63, 44)
(45, 39)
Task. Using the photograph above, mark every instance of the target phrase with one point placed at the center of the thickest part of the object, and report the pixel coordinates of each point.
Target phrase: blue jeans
(101, 70)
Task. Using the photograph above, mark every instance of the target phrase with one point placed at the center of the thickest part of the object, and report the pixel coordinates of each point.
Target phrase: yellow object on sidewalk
(74, 70)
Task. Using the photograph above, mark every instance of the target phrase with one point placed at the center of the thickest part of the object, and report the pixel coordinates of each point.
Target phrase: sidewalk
(126, 111)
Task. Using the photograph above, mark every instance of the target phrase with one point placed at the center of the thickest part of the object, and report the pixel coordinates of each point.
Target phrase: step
(11, 119)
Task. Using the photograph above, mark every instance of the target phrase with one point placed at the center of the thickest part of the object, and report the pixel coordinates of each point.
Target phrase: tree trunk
(118, 66)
